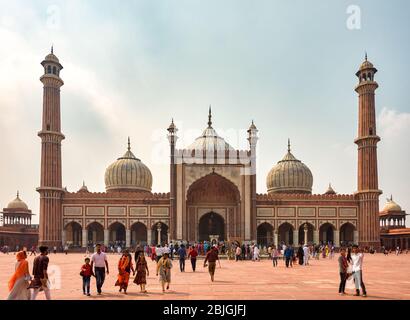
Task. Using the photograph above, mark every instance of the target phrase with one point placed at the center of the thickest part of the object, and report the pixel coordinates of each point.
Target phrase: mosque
(212, 190)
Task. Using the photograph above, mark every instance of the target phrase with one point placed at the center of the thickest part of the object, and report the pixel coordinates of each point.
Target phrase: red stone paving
(386, 277)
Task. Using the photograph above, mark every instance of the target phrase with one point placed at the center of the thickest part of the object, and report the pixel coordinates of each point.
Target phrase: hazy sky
(130, 66)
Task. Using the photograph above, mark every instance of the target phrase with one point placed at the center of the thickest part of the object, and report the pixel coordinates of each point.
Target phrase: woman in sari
(124, 269)
(164, 269)
(19, 281)
(142, 272)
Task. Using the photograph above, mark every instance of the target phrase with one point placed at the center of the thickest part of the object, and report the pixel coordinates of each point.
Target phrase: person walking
(125, 267)
(193, 254)
(171, 250)
(182, 255)
(300, 255)
(19, 281)
(306, 253)
(40, 276)
(206, 246)
(153, 253)
(142, 272)
(293, 256)
(357, 269)
(158, 252)
(164, 267)
(275, 256)
(238, 253)
(86, 273)
(100, 263)
(211, 257)
(256, 253)
(343, 265)
(288, 256)
(332, 252)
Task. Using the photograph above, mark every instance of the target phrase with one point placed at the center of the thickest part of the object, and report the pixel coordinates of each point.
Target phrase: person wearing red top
(153, 253)
(86, 273)
(193, 253)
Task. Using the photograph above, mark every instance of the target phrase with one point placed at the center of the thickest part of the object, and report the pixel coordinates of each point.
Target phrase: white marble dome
(290, 175)
(128, 173)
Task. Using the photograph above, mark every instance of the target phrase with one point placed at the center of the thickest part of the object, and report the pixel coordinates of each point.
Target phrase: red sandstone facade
(212, 190)
(368, 190)
(51, 191)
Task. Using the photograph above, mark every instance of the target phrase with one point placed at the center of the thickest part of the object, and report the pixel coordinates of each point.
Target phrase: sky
(132, 66)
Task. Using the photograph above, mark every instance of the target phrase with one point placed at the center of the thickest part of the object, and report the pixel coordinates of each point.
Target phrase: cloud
(394, 156)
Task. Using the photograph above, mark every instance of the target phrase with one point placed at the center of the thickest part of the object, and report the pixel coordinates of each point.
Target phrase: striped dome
(128, 174)
(290, 175)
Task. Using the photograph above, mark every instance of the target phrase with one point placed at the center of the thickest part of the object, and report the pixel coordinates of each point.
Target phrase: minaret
(172, 137)
(253, 140)
(367, 178)
(50, 189)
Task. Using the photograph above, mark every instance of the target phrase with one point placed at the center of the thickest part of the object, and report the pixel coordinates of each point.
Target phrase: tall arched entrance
(213, 206)
(310, 229)
(326, 233)
(95, 232)
(117, 233)
(347, 234)
(138, 234)
(211, 224)
(264, 234)
(285, 233)
(159, 229)
(73, 234)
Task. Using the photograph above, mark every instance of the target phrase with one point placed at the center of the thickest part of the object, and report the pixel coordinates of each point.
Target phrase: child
(86, 273)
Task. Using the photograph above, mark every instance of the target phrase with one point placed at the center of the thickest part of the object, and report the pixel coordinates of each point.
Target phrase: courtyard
(386, 278)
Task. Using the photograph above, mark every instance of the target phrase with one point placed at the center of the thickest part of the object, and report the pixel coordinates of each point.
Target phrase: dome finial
(365, 55)
(210, 117)
(289, 145)
(83, 183)
(52, 48)
(129, 144)
(18, 193)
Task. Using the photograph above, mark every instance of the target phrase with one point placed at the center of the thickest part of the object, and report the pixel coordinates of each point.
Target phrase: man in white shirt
(100, 263)
(305, 255)
(357, 269)
(159, 251)
(166, 250)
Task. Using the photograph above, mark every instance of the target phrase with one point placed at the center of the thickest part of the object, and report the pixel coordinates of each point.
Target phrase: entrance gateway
(211, 227)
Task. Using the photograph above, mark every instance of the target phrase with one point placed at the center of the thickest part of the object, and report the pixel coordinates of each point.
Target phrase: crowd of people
(23, 286)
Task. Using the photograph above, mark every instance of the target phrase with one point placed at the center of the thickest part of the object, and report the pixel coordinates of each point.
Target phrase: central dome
(210, 140)
(290, 175)
(128, 174)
